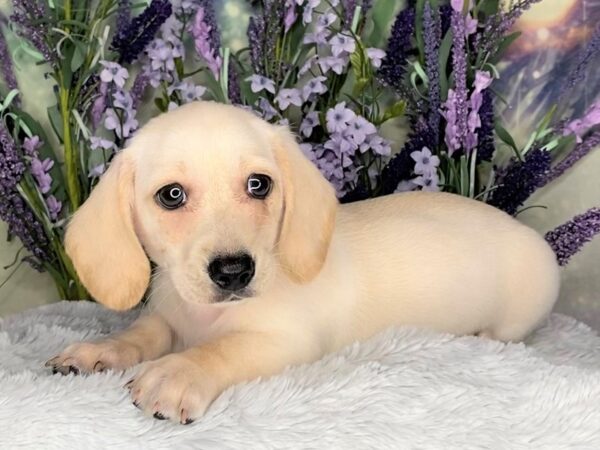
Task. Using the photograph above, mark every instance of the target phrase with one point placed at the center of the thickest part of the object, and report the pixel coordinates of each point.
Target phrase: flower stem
(70, 156)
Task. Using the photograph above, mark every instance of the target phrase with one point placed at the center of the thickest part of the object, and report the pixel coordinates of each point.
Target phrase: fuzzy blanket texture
(405, 388)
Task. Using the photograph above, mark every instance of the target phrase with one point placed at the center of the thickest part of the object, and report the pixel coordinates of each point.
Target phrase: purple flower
(7, 65)
(406, 186)
(130, 41)
(54, 206)
(519, 180)
(97, 171)
(483, 80)
(255, 34)
(287, 97)
(31, 145)
(139, 86)
(98, 142)
(21, 221)
(113, 73)
(485, 133)
(259, 83)
(26, 16)
(432, 34)
(314, 86)
(311, 120)
(393, 65)
(342, 144)
(308, 9)
(39, 169)
(568, 239)
(341, 44)
(579, 127)
(425, 162)
(376, 144)
(376, 55)
(578, 72)
(122, 100)
(206, 37)
(268, 112)
(336, 64)
(428, 182)
(360, 128)
(339, 117)
(290, 15)
(122, 127)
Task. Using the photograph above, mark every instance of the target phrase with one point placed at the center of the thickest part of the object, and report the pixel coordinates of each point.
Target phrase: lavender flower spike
(575, 155)
(432, 34)
(7, 65)
(393, 65)
(586, 55)
(567, 239)
(132, 40)
(206, 37)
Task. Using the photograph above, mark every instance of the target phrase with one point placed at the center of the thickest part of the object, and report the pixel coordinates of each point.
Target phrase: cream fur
(326, 275)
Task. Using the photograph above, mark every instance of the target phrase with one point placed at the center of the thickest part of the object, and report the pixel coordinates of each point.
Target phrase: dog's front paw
(173, 387)
(89, 357)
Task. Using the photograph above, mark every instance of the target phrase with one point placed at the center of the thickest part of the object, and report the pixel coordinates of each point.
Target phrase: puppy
(259, 267)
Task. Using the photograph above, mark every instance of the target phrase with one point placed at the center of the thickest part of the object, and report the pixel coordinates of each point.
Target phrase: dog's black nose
(231, 272)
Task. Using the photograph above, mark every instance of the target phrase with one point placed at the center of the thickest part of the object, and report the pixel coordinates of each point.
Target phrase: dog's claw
(128, 384)
(188, 421)
(159, 416)
(99, 366)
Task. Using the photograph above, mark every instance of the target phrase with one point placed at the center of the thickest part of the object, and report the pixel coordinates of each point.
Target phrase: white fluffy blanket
(405, 388)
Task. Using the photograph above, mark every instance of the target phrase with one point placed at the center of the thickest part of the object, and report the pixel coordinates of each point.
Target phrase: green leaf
(161, 104)
(507, 139)
(179, 68)
(78, 57)
(56, 121)
(445, 48)
(381, 13)
(396, 110)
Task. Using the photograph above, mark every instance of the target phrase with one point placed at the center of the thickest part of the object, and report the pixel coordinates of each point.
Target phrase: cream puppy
(259, 267)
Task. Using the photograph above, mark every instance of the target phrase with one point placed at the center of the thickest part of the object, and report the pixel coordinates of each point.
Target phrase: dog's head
(219, 199)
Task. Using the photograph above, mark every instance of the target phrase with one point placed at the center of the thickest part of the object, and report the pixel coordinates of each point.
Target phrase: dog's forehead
(206, 130)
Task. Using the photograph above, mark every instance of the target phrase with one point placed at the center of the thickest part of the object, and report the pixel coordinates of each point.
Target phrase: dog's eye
(171, 196)
(259, 185)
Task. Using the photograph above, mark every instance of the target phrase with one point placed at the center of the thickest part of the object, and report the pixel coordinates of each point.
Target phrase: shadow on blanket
(405, 388)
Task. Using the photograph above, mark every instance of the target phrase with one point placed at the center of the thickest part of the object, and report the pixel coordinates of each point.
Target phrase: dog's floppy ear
(102, 243)
(310, 207)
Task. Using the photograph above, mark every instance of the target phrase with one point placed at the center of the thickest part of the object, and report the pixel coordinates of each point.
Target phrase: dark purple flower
(29, 16)
(432, 34)
(21, 221)
(519, 180)
(393, 65)
(140, 84)
(130, 41)
(124, 14)
(567, 239)
(583, 61)
(580, 150)
(255, 35)
(485, 133)
(233, 84)
(348, 7)
(7, 65)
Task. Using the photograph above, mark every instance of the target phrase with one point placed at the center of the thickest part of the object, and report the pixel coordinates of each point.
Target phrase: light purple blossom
(162, 55)
(31, 145)
(314, 86)
(336, 64)
(122, 130)
(376, 55)
(39, 169)
(113, 73)
(429, 182)
(309, 6)
(579, 127)
(54, 206)
(483, 80)
(360, 128)
(287, 97)
(96, 171)
(377, 145)
(310, 121)
(259, 83)
(290, 15)
(201, 32)
(317, 37)
(426, 163)
(308, 64)
(406, 186)
(122, 100)
(268, 111)
(189, 91)
(341, 44)
(101, 143)
(339, 117)
(342, 144)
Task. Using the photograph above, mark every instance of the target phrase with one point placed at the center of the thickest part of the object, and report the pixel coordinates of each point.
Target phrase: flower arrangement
(313, 65)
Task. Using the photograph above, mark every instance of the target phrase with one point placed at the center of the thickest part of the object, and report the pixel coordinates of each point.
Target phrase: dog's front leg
(149, 337)
(180, 386)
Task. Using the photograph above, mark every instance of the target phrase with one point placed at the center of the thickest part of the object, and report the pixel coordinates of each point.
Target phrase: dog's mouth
(223, 296)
